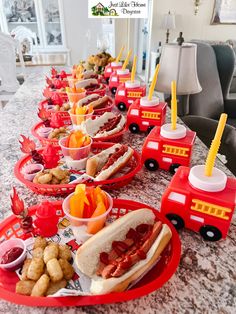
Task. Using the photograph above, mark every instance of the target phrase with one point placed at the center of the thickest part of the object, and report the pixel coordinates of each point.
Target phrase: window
(153, 145)
(177, 197)
(121, 93)
(114, 79)
(134, 112)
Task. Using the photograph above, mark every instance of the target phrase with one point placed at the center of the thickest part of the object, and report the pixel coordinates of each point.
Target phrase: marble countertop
(205, 281)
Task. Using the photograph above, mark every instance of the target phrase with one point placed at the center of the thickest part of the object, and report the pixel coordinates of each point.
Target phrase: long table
(205, 281)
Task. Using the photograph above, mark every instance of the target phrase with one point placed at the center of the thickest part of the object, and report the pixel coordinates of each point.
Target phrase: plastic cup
(30, 171)
(75, 158)
(80, 225)
(72, 81)
(44, 131)
(75, 97)
(9, 244)
(78, 119)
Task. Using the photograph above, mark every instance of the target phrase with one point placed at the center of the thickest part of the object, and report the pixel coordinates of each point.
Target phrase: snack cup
(75, 158)
(30, 171)
(72, 81)
(9, 244)
(79, 119)
(80, 226)
(75, 97)
(44, 132)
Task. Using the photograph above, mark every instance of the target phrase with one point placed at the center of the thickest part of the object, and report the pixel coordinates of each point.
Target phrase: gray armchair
(215, 65)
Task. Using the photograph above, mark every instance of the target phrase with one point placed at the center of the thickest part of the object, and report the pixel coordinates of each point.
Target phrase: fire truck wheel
(151, 164)
(113, 90)
(176, 221)
(210, 233)
(134, 128)
(173, 168)
(150, 128)
(121, 106)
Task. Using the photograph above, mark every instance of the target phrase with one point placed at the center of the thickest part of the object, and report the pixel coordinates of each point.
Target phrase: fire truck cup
(8, 245)
(80, 225)
(116, 64)
(31, 170)
(75, 158)
(79, 119)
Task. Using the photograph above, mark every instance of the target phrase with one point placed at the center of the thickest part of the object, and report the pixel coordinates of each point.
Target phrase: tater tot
(41, 286)
(25, 287)
(54, 270)
(67, 269)
(55, 286)
(25, 268)
(36, 269)
(38, 252)
(40, 242)
(64, 252)
(51, 251)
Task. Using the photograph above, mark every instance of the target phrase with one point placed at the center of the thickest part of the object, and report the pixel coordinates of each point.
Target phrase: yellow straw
(153, 84)
(120, 54)
(215, 144)
(127, 60)
(173, 106)
(133, 72)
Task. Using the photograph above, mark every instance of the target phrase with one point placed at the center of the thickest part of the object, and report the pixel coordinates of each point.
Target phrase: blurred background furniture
(215, 66)
(9, 82)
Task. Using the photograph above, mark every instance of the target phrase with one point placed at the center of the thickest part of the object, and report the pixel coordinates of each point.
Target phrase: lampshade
(178, 63)
(168, 21)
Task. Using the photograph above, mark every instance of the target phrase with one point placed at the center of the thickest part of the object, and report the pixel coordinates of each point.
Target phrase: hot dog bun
(94, 100)
(85, 83)
(88, 255)
(94, 164)
(92, 126)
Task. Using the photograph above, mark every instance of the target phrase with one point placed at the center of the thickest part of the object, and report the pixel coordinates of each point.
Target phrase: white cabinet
(43, 17)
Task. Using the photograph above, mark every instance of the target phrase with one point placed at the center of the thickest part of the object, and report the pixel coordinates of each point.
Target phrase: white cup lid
(149, 103)
(134, 84)
(167, 132)
(214, 183)
(116, 64)
(122, 72)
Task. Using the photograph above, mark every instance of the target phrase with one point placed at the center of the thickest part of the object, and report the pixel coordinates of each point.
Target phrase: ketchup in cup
(87, 209)
(12, 254)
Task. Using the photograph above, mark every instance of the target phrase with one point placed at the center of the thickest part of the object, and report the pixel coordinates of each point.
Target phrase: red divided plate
(115, 138)
(152, 281)
(121, 179)
(64, 115)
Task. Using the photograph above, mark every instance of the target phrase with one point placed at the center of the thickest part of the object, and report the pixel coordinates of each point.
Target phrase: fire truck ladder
(175, 150)
(210, 209)
(151, 115)
(134, 94)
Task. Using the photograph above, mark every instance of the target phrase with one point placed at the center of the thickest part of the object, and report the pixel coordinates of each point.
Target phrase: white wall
(193, 26)
(81, 32)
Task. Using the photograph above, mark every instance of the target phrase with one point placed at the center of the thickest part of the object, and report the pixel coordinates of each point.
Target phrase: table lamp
(179, 63)
(168, 23)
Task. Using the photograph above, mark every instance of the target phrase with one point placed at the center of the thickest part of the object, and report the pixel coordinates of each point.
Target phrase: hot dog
(105, 125)
(120, 253)
(95, 100)
(108, 162)
(89, 84)
(89, 74)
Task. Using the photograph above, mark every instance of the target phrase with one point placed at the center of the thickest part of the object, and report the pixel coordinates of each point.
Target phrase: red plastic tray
(115, 138)
(152, 281)
(125, 175)
(65, 114)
